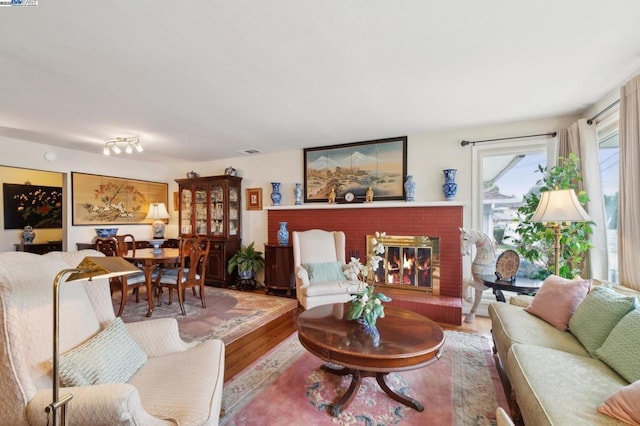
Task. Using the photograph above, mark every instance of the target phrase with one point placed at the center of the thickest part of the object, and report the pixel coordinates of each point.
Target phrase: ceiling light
(130, 142)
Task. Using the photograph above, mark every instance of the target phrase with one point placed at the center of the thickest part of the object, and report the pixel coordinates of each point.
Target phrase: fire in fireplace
(408, 262)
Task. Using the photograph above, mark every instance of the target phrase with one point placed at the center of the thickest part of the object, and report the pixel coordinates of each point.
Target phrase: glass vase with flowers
(366, 305)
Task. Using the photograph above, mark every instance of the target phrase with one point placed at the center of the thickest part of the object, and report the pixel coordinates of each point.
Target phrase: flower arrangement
(367, 305)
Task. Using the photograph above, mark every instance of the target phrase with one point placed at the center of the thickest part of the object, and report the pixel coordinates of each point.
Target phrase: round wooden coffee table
(407, 341)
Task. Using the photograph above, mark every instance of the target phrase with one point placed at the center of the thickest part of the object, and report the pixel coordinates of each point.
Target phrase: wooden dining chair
(194, 252)
(118, 246)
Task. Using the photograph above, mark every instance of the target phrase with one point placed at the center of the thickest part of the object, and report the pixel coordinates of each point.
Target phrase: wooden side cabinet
(278, 269)
(40, 248)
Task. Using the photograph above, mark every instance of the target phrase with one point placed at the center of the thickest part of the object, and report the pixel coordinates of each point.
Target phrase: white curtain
(629, 198)
(581, 139)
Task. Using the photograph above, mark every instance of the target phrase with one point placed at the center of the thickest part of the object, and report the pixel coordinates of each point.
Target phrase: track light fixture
(131, 143)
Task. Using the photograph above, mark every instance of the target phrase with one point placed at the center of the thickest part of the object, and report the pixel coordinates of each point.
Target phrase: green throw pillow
(597, 315)
(326, 271)
(621, 350)
(111, 356)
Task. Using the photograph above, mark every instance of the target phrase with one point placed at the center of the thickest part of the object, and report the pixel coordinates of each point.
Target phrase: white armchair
(319, 262)
(180, 382)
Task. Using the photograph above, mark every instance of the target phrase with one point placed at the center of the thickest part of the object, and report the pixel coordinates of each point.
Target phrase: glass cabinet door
(217, 209)
(200, 210)
(185, 211)
(234, 210)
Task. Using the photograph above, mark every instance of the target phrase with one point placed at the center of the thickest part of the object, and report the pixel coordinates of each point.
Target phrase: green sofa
(551, 377)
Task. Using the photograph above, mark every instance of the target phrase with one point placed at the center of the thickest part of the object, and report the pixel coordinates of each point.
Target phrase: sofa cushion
(512, 324)
(621, 349)
(624, 405)
(324, 271)
(597, 315)
(557, 388)
(111, 356)
(557, 299)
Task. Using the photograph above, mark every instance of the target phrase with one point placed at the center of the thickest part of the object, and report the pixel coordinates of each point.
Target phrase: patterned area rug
(287, 387)
(229, 314)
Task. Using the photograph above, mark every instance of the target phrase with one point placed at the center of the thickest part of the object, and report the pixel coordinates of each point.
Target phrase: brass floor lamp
(90, 267)
(556, 208)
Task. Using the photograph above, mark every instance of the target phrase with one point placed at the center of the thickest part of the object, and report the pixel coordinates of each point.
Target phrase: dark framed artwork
(34, 205)
(108, 200)
(354, 168)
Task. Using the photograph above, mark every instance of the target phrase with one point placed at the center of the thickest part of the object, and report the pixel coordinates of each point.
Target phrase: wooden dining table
(149, 259)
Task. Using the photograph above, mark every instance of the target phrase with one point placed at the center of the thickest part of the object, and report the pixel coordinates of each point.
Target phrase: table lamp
(555, 208)
(89, 267)
(158, 211)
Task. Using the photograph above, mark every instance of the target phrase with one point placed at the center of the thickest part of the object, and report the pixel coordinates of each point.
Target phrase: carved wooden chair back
(194, 251)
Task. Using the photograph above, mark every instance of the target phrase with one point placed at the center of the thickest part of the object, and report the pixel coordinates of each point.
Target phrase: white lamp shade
(559, 206)
(157, 211)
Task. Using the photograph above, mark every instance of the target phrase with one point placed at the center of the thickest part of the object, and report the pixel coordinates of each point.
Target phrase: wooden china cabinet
(211, 206)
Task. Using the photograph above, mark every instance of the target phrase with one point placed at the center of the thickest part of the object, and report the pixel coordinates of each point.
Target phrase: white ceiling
(204, 80)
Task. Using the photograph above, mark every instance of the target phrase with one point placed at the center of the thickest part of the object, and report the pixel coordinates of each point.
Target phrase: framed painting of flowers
(33, 205)
(108, 200)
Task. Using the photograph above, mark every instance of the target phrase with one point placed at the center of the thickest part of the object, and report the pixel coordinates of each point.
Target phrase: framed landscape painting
(354, 168)
(108, 200)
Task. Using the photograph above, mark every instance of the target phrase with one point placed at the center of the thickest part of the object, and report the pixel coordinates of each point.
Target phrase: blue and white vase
(450, 187)
(297, 193)
(410, 188)
(28, 235)
(275, 193)
(283, 234)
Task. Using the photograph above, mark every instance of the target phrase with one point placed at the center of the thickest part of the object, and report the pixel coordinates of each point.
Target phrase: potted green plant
(248, 261)
(536, 241)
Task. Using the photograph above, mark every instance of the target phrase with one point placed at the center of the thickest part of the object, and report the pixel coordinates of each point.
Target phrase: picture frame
(176, 200)
(110, 200)
(254, 198)
(37, 206)
(354, 167)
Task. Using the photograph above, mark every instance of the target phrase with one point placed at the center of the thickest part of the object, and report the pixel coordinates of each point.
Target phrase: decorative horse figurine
(483, 264)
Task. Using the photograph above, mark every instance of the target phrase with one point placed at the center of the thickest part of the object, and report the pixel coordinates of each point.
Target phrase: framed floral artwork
(355, 168)
(34, 205)
(108, 200)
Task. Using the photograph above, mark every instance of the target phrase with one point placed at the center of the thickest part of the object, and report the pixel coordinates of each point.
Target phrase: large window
(609, 157)
(506, 172)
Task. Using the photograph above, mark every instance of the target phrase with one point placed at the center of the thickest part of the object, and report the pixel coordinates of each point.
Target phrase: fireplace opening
(408, 262)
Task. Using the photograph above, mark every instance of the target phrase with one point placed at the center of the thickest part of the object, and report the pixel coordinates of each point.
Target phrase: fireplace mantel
(375, 204)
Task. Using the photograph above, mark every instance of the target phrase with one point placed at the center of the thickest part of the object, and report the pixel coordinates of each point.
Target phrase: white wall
(427, 155)
(18, 153)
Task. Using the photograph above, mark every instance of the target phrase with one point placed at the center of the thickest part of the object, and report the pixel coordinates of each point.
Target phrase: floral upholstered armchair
(165, 381)
(319, 262)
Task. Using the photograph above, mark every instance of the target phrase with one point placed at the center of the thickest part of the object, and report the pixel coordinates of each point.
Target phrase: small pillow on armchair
(325, 271)
(111, 356)
(557, 299)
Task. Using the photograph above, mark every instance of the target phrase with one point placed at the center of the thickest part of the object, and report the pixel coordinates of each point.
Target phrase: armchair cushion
(111, 356)
(331, 287)
(324, 271)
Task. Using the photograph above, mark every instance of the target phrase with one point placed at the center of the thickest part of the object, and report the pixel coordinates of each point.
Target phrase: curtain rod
(465, 143)
(590, 121)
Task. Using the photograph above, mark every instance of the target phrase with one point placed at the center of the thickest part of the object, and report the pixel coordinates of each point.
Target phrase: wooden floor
(247, 349)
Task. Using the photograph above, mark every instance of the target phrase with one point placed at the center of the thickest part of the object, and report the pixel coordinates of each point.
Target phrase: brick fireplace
(438, 219)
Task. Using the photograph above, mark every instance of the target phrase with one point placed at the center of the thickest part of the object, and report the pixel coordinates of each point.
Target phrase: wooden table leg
(148, 274)
(356, 381)
(396, 396)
